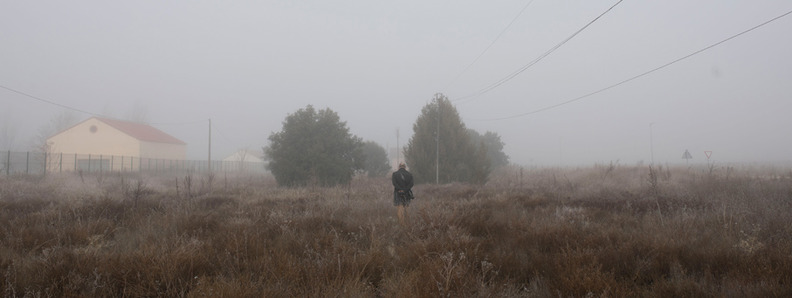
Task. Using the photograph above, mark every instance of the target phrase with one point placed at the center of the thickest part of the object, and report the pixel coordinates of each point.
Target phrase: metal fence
(39, 163)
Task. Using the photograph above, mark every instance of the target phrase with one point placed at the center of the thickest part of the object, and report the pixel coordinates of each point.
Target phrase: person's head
(402, 166)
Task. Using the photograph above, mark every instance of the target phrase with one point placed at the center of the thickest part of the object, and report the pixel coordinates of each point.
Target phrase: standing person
(402, 191)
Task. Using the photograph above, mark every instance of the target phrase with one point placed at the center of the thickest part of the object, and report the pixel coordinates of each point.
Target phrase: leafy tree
(460, 160)
(314, 148)
(376, 158)
(494, 145)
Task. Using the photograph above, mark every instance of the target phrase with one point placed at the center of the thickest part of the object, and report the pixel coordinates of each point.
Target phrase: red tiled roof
(141, 132)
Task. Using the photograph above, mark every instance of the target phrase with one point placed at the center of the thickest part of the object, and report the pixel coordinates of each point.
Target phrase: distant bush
(376, 158)
(314, 147)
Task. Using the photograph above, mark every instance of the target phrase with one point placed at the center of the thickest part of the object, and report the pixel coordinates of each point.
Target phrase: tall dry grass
(607, 230)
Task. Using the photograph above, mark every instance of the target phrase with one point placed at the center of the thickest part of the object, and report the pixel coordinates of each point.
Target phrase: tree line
(315, 147)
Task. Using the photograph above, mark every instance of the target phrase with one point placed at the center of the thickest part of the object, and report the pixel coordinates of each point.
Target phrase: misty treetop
(460, 160)
(376, 159)
(314, 147)
(494, 145)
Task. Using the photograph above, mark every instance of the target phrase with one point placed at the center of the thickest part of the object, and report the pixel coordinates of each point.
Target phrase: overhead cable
(52, 103)
(84, 111)
(490, 45)
(533, 62)
(639, 75)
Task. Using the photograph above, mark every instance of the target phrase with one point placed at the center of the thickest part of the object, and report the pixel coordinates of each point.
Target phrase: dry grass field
(602, 231)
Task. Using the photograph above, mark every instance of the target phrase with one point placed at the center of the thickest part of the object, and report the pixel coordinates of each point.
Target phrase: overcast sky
(247, 64)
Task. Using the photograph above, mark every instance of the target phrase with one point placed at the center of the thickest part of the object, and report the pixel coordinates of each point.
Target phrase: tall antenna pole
(651, 142)
(209, 161)
(437, 142)
(398, 149)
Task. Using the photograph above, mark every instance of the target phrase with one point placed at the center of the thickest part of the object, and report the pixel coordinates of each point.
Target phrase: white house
(112, 145)
(245, 160)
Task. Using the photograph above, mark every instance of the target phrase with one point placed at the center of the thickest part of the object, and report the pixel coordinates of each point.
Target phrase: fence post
(8, 163)
(27, 162)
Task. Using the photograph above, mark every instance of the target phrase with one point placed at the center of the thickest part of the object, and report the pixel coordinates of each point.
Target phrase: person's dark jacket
(402, 180)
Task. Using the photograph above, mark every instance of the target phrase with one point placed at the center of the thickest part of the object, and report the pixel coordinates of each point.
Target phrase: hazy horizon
(247, 65)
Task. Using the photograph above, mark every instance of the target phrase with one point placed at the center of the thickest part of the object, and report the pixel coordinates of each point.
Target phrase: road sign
(708, 154)
(687, 155)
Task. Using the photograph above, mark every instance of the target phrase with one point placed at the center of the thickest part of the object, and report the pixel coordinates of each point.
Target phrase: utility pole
(209, 161)
(398, 158)
(651, 142)
(437, 142)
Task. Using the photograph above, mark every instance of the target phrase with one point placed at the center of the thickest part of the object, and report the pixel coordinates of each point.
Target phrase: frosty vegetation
(607, 230)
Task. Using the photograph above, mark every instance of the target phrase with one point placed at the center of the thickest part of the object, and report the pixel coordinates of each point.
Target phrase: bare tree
(56, 124)
(241, 156)
(7, 132)
(138, 113)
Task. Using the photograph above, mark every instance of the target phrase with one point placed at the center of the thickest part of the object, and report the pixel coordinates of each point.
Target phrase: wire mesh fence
(29, 162)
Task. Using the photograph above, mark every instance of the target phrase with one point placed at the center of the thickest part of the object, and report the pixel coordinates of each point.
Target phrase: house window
(93, 128)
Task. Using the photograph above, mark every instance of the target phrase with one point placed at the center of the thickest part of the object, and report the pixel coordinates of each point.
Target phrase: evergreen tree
(314, 148)
(459, 159)
(376, 159)
(494, 145)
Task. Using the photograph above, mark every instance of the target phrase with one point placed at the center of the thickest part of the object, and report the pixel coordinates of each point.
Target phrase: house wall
(244, 156)
(163, 151)
(104, 139)
(243, 161)
(94, 140)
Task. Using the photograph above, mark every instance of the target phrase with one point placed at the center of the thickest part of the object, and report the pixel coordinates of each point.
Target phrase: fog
(246, 65)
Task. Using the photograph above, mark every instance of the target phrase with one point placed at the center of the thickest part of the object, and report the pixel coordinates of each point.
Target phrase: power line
(533, 62)
(177, 123)
(640, 75)
(217, 129)
(53, 103)
(490, 45)
(87, 112)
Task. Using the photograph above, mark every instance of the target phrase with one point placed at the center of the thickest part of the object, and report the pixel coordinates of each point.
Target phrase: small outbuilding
(111, 144)
(245, 160)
